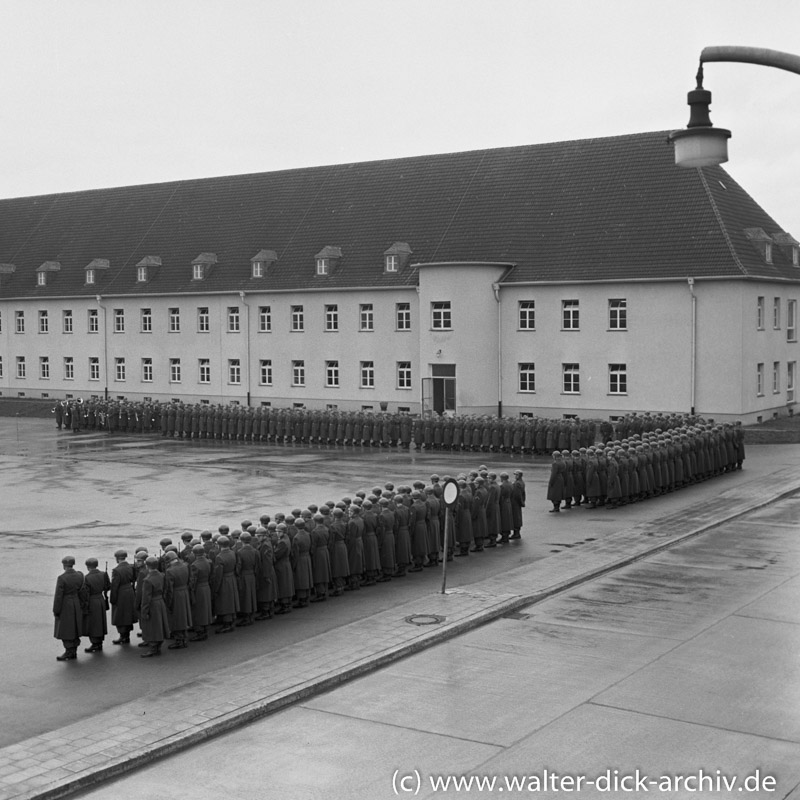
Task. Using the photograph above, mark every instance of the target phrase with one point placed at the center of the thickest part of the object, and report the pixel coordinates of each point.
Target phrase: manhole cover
(425, 619)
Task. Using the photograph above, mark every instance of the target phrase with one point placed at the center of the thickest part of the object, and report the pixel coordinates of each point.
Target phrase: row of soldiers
(235, 578)
(643, 466)
(431, 431)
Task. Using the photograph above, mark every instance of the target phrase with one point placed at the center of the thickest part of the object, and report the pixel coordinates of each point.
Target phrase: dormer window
(41, 272)
(396, 257)
(788, 245)
(762, 241)
(261, 262)
(201, 266)
(147, 268)
(328, 259)
(92, 269)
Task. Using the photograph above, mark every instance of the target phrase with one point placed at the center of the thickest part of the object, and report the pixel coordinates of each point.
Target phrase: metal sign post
(449, 495)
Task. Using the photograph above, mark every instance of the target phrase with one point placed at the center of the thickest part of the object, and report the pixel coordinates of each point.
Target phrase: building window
(204, 370)
(791, 370)
(146, 320)
(234, 371)
(41, 279)
(527, 377)
(331, 318)
(19, 321)
(119, 320)
(617, 379)
(403, 316)
(331, 374)
(1, 321)
(174, 320)
(264, 319)
(66, 321)
(1, 366)
(791, 320)
(198, 272)
(44, 322)
(69, 368)
(403, 374)
(147, 370)
(94, 368)
(89, 276)
(141, 274)
(298, 323)
(776, 377)
(203, 320)
(776, 313)
(441, 319)
(258, 269)
(391, 263)
(367, 374)
(571, 378)
(265, 372)
(233, 319)
(174, 370)
(20, 366)
(323, 266)
(618, 315)
(119, 369)
(44, 368)
(298, 373)
(760, 314)
(570, 315)
(94, 321)
(366, 317)
(527, 315)
(760, 380)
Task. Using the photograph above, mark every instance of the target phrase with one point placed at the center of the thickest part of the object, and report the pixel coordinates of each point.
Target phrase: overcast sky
(99, 93)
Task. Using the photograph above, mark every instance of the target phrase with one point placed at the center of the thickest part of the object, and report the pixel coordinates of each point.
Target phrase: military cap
(519, 471)
(338, 512)
(376, 490)
(319, 518)
(505, 474)
(272, 526)
(358, 501)
(151, 561)
(246, 536)
(223, 529)
(246, 524)
(165, 542)
(264, 519)
(68, 560)
(480, 481)
(170, 548)
(224, 541)
(434, 478)
(198, 549)
(206, 535)
(361, 493)
(141, 555)
(289, 519)
(384, 501)
(171, 555)
(186, 536)
(398, 498)
(389, 486)
(419, 484)
(313, 508)
(367, 504)
(121, 554)
(296, 512)
(140, 549)
(91, 562)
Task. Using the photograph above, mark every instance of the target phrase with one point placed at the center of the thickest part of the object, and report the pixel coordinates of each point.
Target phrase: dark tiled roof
(583, 210)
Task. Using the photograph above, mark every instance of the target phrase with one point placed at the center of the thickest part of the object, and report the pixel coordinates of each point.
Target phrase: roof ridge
(723, 229)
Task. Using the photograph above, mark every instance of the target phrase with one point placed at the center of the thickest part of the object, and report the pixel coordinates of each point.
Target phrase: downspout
(693, 346)
(496, 289)
(105, 344)
(247, 352)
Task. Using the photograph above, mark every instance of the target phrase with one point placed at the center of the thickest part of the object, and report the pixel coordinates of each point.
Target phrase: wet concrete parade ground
(661, 637)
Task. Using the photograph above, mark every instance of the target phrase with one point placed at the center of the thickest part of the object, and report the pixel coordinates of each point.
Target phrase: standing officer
(95, 623)
(226, 591)
(153, 616)
(176, 598)
(123, 610)
(200, 593)
(517, 503)
(68, 608)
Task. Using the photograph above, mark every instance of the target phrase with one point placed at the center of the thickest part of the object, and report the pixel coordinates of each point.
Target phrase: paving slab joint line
(260, 709)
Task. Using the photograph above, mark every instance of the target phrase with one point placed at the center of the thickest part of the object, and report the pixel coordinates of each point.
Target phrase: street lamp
(700, 144)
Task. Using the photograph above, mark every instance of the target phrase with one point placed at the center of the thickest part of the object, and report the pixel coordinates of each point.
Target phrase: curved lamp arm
(752, 55)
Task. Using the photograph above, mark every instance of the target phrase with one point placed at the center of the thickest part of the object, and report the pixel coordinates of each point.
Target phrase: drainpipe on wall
(105, 345)
(694, 345)
(496, 289)
(247, 354)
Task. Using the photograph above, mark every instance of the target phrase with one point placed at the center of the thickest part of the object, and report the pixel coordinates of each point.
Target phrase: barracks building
(589, 278)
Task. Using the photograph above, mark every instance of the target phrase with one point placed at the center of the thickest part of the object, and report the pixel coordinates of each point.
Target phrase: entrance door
(443, 390)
